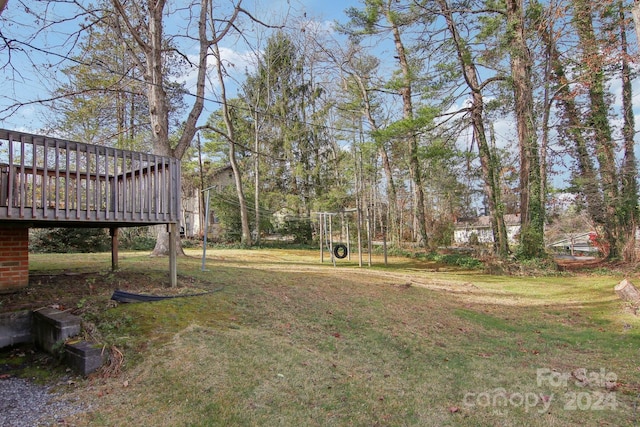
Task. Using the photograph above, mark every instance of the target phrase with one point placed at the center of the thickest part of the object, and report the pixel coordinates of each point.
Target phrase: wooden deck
(52, 182)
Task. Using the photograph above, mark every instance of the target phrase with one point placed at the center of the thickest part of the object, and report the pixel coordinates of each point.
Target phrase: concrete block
(15, 328)
(52, 327)
(84, 357)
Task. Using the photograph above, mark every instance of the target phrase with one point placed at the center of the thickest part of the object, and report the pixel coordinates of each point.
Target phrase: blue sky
(326, 9)
(26, 85)
(30, 81)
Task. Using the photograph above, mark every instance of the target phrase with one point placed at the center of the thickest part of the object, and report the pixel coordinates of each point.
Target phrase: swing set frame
(325, 237)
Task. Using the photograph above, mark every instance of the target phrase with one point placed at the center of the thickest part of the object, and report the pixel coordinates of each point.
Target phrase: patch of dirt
(571, 265)
(69, 290)
(580, 264)
(588, 266)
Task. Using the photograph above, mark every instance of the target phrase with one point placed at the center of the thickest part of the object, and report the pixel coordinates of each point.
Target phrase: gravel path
(25, 404)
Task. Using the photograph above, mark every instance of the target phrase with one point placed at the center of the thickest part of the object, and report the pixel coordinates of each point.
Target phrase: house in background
(577, 244)
(194, 204)
(481, 227)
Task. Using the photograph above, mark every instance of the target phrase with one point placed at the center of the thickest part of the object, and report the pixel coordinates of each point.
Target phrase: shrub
(66, 240)
(225, 206)
(137, 238)
(460, 260)
(300, 229)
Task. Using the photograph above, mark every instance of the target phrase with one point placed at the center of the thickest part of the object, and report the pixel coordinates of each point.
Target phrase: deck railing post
(45, 177)
(57, 181)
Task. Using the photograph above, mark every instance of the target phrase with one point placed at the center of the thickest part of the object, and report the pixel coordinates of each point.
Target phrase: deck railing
(50, 179)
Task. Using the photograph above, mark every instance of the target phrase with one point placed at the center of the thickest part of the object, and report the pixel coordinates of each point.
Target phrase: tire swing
(340, 251)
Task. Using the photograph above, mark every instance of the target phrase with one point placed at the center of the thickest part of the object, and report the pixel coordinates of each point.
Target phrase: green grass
(288, 341)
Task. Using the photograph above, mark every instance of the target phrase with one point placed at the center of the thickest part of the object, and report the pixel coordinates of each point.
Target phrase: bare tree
(230, 136)
(144, 23)
(32, 52)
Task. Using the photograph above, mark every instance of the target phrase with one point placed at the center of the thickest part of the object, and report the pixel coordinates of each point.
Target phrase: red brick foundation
(14, 258)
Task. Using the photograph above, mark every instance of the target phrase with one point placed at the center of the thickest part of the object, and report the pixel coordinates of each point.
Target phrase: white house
(481, 227)
(193, 200)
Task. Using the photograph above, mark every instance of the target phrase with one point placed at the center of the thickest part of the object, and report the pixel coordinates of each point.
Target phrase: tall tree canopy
(412, 112)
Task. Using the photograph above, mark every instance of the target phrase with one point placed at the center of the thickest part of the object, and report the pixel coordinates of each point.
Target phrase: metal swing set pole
(330, 240)
(321, 237)
(326, 237)
(206, 226)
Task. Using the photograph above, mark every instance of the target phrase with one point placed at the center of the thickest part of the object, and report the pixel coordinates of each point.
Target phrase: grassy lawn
(285, 340)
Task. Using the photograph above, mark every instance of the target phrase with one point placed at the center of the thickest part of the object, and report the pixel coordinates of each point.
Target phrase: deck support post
(113, 232)
(173, 269)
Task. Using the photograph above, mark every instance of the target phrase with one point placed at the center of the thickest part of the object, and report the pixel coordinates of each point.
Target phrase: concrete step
(50, 330)
(84, 357)
(52, 327)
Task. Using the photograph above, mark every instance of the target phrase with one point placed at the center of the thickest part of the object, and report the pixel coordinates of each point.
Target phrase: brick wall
(14, 258)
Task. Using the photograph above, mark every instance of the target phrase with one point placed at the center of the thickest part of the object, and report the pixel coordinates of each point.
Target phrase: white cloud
(236, 63)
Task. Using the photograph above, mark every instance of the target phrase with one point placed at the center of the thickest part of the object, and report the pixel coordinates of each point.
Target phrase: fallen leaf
(611, 385)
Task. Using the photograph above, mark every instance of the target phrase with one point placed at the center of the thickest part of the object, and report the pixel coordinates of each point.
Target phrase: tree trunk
(544, 140)
(256, 176)
(573, 130)
(599, 120)
(230, 135)
(393, 228)
(487, 162)
(531, 197)
(158, 110)
(628, 212)
(163, 243)
(412, 148)
(146, 31)
(636, 19)
(392, 197)
(627, 292)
